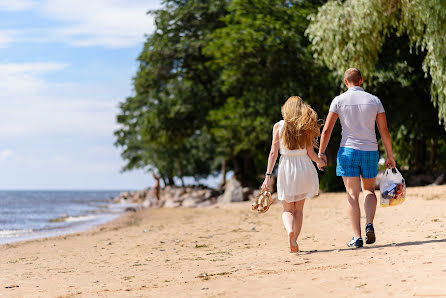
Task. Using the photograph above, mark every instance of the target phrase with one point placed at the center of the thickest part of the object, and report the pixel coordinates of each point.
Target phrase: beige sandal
(262, 201)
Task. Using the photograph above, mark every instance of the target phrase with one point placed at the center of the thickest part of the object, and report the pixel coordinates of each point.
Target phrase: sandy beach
(230, 251)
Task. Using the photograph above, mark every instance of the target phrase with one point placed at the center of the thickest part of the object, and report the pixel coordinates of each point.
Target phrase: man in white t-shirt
(357, 158)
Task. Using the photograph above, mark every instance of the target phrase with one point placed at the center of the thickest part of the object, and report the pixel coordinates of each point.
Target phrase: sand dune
(231, 251)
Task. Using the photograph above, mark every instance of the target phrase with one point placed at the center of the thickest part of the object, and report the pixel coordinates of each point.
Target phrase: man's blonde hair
(301, 127)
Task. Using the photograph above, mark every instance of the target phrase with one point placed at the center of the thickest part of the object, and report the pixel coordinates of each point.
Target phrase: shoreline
(46, 234)
(229, 250)
(65, 224)
(123, 218)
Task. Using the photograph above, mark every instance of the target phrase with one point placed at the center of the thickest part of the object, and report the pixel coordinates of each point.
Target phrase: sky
(64, 67)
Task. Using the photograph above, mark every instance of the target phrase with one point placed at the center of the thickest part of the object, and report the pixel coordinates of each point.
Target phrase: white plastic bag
(392, 188)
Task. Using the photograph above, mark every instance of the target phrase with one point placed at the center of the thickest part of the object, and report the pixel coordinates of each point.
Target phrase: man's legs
(368, 187)
(353, 188)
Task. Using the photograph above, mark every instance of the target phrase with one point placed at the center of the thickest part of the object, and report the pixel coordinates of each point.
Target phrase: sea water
(35, 214)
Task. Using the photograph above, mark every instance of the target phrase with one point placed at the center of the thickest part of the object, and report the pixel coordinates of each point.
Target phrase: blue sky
(64, 68)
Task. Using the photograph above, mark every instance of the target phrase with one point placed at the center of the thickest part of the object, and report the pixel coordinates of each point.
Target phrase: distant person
(156, 186)
(357, 158)
(297, 179)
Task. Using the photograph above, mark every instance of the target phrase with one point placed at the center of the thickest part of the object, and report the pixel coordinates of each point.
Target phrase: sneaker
(369, 234)
(355, 242)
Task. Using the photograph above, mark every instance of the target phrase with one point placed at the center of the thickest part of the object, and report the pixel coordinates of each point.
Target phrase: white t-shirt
(357, 112)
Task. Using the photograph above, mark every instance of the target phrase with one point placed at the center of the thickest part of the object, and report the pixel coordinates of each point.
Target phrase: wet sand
(230, 251)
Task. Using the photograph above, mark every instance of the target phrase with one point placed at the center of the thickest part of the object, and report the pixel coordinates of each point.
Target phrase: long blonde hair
(301, 127)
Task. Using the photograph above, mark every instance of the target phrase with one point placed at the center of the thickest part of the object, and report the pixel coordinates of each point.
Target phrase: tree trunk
(237, 168)
(433, 154)
(420, 154)
(170, 181)
(223, 173)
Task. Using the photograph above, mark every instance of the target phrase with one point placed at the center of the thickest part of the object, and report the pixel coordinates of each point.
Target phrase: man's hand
(324, 158)
(390, 163)
(321, 164)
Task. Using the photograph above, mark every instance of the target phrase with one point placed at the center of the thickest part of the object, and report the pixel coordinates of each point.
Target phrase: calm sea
(35, 214)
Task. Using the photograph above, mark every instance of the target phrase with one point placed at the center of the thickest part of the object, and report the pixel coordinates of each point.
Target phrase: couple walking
(357, 158)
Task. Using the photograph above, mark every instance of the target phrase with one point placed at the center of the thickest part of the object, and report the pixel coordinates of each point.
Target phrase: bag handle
(394, 170)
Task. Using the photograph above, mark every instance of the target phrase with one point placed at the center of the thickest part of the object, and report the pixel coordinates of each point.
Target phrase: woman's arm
(381, 122)
(272, 155)
(326, 134)
(313, 156)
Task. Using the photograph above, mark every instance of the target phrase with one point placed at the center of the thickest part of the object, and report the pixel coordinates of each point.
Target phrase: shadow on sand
(410, 243)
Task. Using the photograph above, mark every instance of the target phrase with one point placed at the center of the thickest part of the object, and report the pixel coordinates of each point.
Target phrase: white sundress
(297, 177)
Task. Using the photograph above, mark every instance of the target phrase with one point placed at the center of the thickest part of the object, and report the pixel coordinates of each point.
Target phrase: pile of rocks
(188, 197)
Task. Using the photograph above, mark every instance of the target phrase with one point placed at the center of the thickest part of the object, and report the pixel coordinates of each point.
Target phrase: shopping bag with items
(392, 188)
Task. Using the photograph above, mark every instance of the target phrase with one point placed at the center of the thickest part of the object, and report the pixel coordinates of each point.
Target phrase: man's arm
(381, 122)
(326, 134)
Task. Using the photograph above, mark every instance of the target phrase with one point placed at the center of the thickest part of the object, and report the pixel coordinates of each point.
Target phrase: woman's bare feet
(293, 244)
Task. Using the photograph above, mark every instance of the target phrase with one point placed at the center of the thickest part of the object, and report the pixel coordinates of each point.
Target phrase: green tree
(404, 90)
(164, 126)
(398, 45)
(264, 58)
(353, 32)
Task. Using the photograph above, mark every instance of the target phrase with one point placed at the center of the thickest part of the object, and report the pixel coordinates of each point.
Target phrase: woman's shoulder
(278, 125)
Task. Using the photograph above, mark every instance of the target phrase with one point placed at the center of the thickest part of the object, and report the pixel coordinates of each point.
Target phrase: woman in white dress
(297, 179)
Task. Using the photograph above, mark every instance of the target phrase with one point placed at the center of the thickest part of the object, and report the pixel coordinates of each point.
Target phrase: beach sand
(231, 251)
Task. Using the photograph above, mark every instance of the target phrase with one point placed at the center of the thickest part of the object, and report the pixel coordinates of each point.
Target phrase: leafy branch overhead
(352, 34)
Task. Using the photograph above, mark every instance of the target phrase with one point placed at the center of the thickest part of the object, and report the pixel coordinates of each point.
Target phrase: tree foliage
(264, 58)
(164, 126)
(353, 32)
(214, 74)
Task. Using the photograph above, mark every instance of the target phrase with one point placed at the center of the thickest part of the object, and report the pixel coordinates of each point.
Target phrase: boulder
(205, 204)
(124, 195)
(189, 203)
(172, 204)
(131, 209)
(233, 192)
(440, 179)
(247, 192)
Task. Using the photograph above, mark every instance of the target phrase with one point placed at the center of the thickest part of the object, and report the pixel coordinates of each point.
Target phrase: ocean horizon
(31, 214)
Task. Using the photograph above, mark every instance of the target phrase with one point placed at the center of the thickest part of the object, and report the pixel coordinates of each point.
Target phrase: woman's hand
(321, 164)
(265, 185)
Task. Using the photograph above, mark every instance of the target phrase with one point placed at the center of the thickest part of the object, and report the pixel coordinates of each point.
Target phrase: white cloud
(31, 106)
(23, 79)
(16, 5)
(33, 68)
(6, 38)
(83, 23)
(110, 23)
(5, 154)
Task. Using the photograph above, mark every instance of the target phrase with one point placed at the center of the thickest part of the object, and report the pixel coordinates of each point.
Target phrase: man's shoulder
(370, 95)
(358, 93)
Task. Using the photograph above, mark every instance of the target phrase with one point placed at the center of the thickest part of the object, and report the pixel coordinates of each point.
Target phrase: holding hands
(322, 163)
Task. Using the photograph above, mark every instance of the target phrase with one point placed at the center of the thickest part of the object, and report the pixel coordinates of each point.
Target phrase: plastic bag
(392, 188)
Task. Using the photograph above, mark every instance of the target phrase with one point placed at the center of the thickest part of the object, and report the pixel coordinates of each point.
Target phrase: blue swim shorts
(353, 163)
